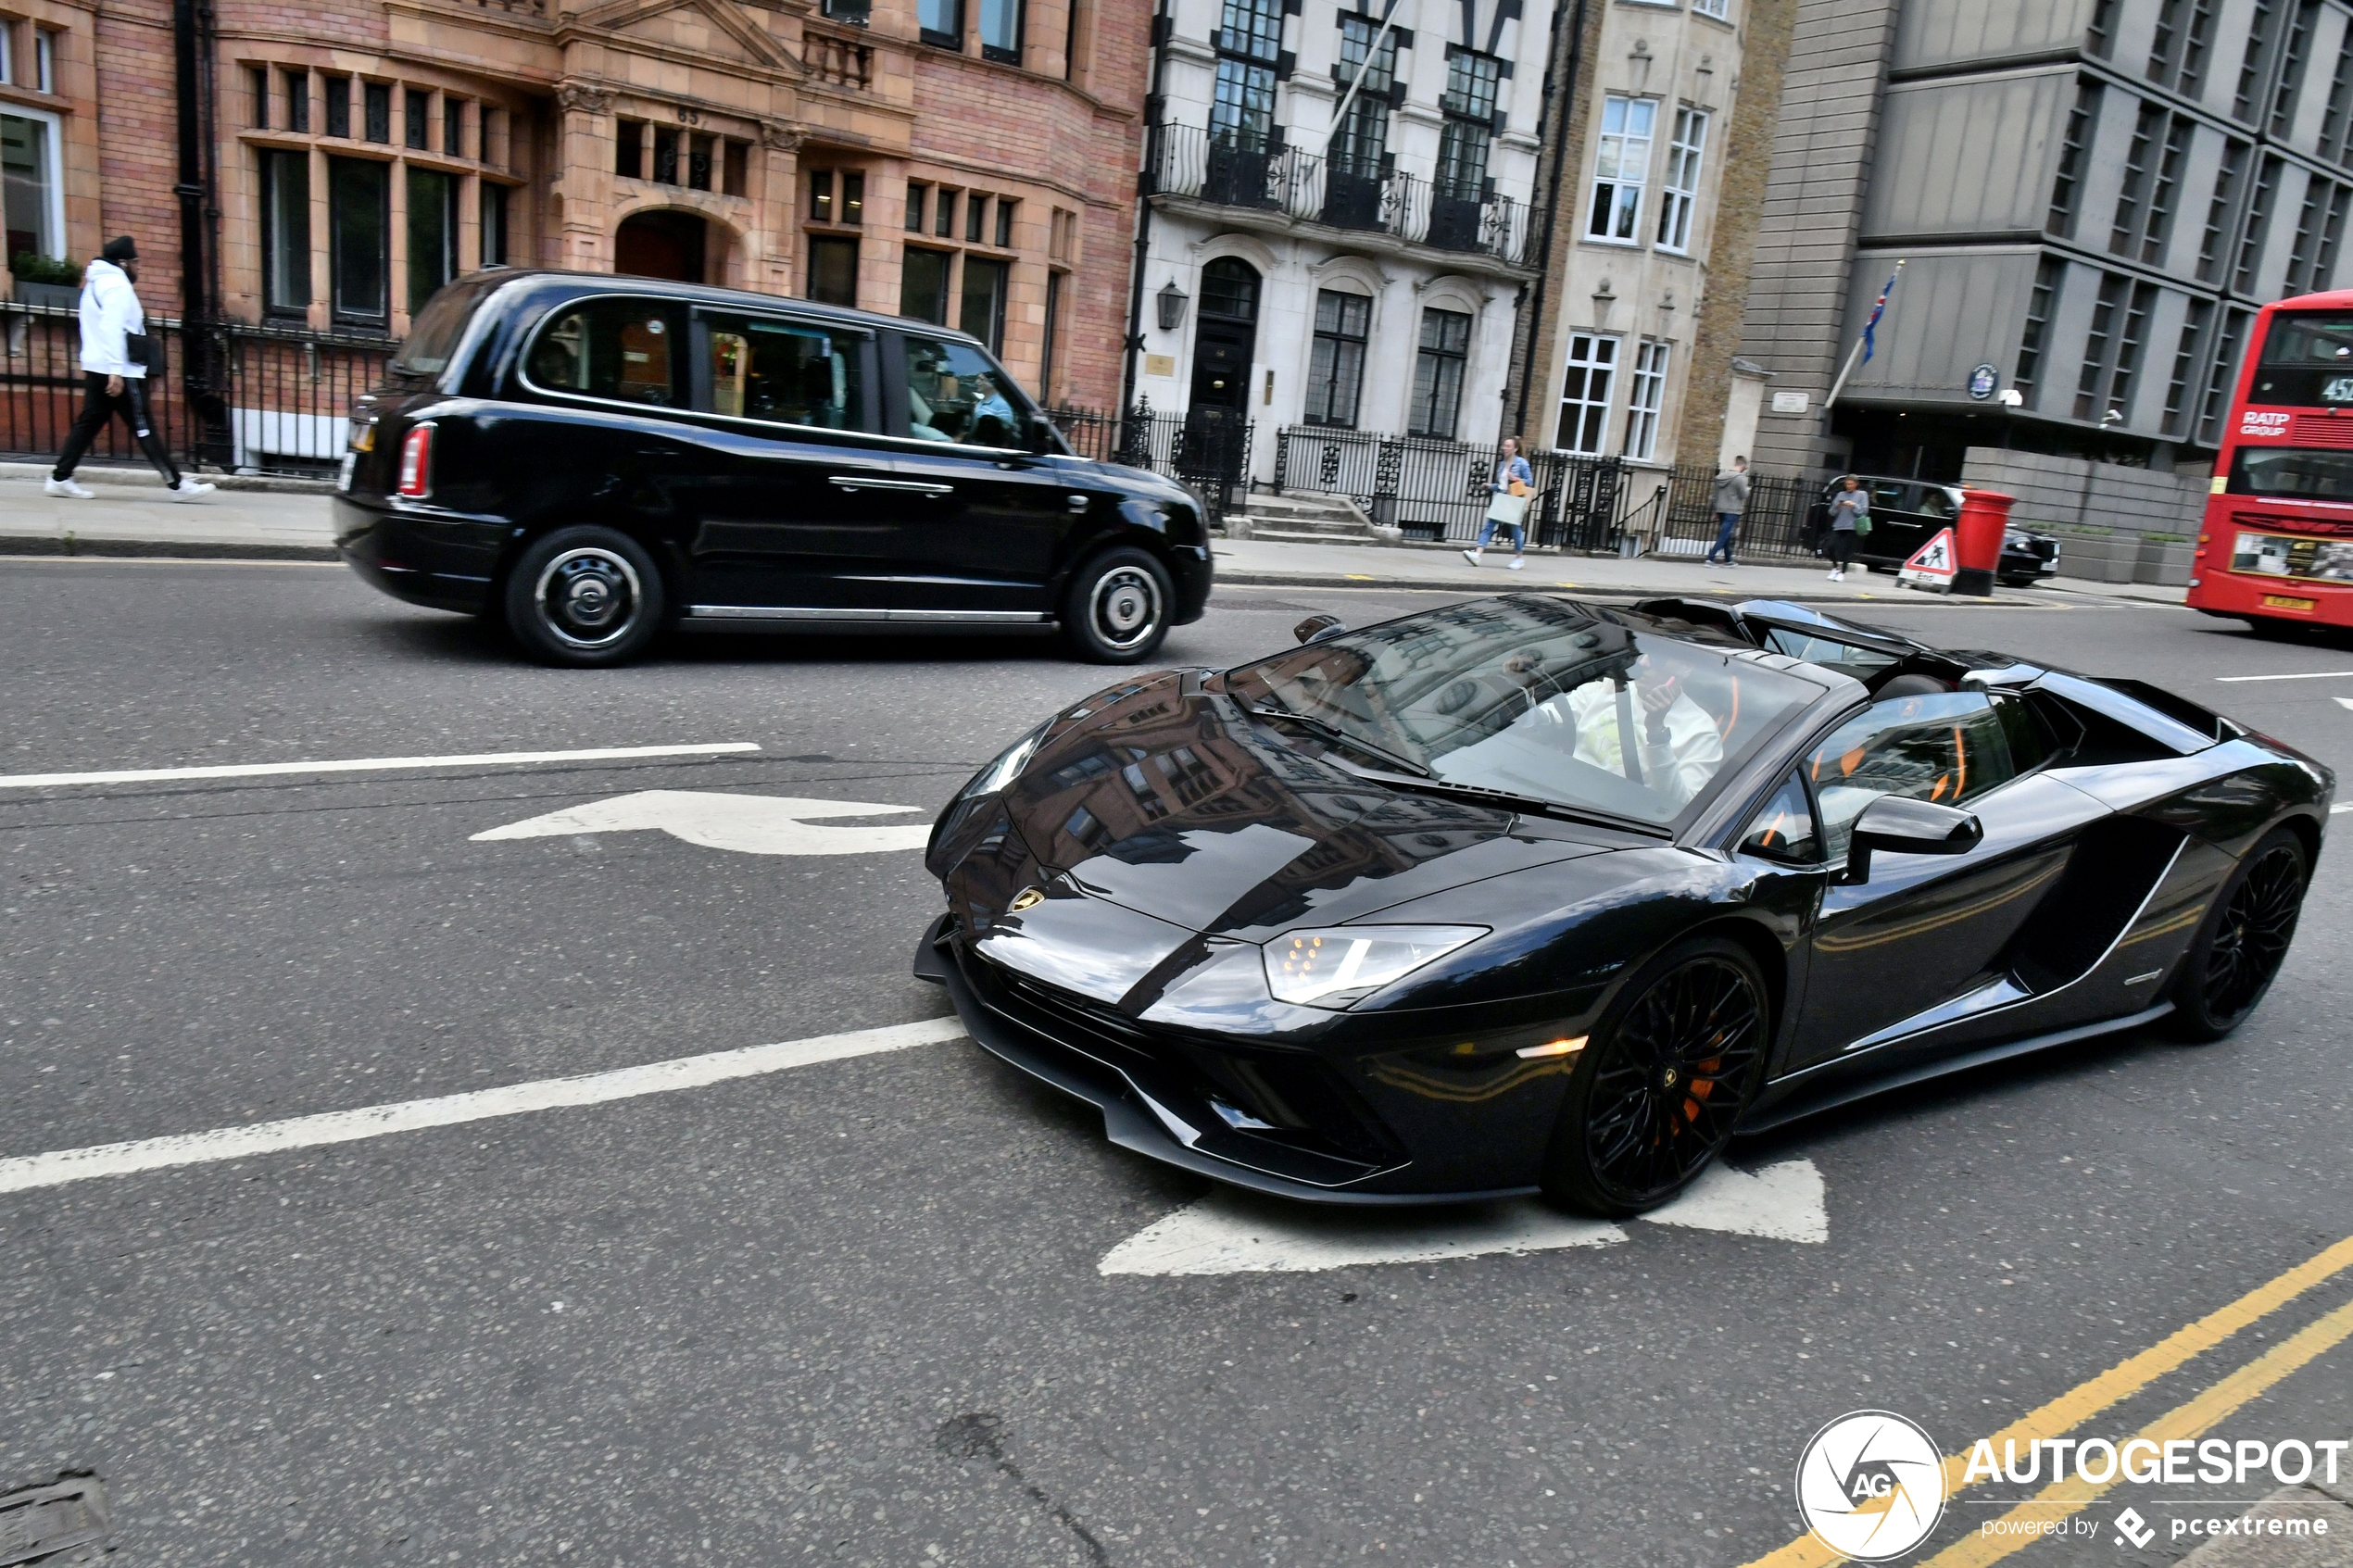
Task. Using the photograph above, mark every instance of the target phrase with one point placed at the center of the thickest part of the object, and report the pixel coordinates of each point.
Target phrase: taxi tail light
(416, 463)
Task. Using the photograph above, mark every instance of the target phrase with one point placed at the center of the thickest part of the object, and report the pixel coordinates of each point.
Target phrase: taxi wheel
(1116, 610)
(586, 596)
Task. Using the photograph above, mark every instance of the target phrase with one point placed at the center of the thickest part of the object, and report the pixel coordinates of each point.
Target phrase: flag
(1877, 312)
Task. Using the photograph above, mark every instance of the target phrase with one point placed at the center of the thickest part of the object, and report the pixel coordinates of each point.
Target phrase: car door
(1897, 527)
(986, 517)
(788, 518)
(1922, 930)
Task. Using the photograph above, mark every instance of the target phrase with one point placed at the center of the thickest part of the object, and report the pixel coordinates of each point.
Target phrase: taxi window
(957, 393)
(785, 372)
(1937, 502)
(1890, 496)
(1950, 748)
(625, 350)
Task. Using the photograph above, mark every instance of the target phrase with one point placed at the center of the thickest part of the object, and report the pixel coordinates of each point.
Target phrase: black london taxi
(594, 458)
(1907, 513)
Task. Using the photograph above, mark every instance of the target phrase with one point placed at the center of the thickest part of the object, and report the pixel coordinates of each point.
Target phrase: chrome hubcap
(588, 597)
(1126, 607)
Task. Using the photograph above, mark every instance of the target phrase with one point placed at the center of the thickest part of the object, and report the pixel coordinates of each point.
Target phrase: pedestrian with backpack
(116, 354)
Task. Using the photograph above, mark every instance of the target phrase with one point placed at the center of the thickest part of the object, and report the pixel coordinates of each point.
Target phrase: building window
(975, 216)
(2097, 344)
(2182, 383)
(2319, 227)
(1584, 421)
(1363, 139)
(1618, 172)
(2124, 235)
(256, 83)
(2100, 37)
(857, 13)
(415, 117)
(359, 224)
(2221, 376)
(32, 185)
(494, 224)
(2255, 63)
(945, 215)
(833, 269)
(2249, 257)
(2152, 173)
(286, 231)
(377, 96)
(1335, 368)
(2039, 306)
(2214, 244)
(2336, 127)
(2112, 350)
(433, 233)
(2067, 187)
(941, 22)
(836, 197)
(298, 101)
(1250, 43)
(1001, 30)
(338, 94)
(44, 60)
(1468, 104)
(2165, 193)
(1680, 190)
(1437, 373)
(1646, 395)
(2293, 47)
(629, 148)
(736, 180)
(453, 125)
(923, 284)
(2177, 59)
(1050, 350)
(1721, 9)
(982, 310)
(915, 194)
(1005, 222)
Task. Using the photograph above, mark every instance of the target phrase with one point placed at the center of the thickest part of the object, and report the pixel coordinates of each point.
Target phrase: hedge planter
(57, 296)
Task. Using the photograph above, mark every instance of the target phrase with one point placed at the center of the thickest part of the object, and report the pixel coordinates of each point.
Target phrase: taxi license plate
(2283, 601)
(343, 478)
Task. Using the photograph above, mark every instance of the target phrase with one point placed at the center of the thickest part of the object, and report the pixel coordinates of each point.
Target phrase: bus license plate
(2281, 601)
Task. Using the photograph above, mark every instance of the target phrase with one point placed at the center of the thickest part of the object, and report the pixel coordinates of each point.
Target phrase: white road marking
(2345, 702)
(61, 1166)
(2303, 676)
(747, 824)
(1230, 1232)
(368, 765)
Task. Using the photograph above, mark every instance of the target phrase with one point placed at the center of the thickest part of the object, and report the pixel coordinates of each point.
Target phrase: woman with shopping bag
(1510, 490)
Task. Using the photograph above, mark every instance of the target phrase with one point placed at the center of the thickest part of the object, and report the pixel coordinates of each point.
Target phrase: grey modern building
(2091, 198)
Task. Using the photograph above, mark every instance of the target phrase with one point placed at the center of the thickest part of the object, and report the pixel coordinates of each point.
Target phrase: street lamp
(1172, 306)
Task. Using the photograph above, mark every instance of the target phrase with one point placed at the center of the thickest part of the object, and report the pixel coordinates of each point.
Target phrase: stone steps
(1306, 520)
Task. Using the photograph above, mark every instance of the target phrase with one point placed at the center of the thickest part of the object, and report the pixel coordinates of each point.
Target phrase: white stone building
(1340, 228)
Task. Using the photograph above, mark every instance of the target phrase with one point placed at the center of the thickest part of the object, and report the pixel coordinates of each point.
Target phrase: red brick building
(970, 161)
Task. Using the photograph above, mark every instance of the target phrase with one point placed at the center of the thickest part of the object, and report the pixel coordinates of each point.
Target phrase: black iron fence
(1203, 450)
(1681, 521)
(1271, 176)
(277, 399)
(1440, 490)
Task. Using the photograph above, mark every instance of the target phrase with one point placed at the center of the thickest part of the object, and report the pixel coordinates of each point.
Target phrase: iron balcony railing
(1269, 176)
(1207, 453)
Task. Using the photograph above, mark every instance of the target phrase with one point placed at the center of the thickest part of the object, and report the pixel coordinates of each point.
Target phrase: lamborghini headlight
(1335, 967)
(1008, 765)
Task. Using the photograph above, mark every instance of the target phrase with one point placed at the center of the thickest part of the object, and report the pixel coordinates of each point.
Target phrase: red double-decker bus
(2277, 542)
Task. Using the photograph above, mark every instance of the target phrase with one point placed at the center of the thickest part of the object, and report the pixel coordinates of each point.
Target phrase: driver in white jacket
(113, 381)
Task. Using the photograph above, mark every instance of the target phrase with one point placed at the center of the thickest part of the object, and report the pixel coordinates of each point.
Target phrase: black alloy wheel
(1662, 1080)
(2239, 951)
(586, 596)
(1117, 608)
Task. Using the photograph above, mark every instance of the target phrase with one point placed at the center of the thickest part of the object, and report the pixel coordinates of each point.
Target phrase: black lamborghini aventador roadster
(1528, 893)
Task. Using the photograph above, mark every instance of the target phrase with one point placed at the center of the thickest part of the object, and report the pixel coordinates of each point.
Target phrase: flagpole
(1855, 352)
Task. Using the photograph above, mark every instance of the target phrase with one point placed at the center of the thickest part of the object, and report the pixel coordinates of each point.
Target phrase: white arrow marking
(1235, 1232)
(748, 824)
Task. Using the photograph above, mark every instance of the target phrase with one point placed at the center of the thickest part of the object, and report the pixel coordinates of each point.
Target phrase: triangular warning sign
(1932, 565)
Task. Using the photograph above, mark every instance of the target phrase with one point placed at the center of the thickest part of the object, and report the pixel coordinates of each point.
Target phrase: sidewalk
(133, 516)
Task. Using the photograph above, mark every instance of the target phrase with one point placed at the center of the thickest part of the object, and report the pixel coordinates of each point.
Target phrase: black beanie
(122, 248)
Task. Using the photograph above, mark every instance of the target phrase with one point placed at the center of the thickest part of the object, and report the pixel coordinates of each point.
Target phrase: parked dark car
(1529, 893)
(593, 458)
(1907, 513)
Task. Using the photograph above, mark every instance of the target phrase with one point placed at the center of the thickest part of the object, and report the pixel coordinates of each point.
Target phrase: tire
(2242, 942)
(1661, 1081)
(1117, 608)
(585, 597)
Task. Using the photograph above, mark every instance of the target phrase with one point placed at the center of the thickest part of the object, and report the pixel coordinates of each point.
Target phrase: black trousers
(98, 406)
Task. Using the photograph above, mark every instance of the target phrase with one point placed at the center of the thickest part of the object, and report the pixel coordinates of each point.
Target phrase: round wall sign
(1982, 380)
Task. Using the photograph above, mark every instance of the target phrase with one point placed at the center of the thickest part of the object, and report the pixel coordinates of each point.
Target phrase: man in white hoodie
(113, 381)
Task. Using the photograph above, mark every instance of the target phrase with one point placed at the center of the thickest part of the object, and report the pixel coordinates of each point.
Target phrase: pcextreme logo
(1871, 1486)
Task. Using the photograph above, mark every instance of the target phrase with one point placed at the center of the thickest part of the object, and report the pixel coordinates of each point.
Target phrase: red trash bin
(1977, 539)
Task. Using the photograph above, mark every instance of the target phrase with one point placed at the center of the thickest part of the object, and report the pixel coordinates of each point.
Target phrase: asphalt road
(852, 1312)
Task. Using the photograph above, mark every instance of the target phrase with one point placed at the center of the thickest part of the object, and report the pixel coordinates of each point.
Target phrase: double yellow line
(2122, 1381)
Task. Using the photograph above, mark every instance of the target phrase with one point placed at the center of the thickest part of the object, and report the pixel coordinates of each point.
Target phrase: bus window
(2307, 358)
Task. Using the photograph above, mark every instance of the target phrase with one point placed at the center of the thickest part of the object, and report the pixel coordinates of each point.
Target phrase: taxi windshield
(1541, 698)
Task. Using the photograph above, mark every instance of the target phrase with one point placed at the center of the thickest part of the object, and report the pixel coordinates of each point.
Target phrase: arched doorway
(1224, 339)
(662, 244)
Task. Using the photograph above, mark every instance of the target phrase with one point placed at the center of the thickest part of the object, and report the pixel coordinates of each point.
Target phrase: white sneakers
(188, 490)
(1837, 576)
(1517, 563)
(1471, 556)
(68, 489)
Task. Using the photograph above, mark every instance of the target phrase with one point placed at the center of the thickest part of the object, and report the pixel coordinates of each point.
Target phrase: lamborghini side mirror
(1904, 826)
(1315, 628)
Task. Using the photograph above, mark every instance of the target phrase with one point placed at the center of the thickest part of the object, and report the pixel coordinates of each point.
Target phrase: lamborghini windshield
(1577, 706)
